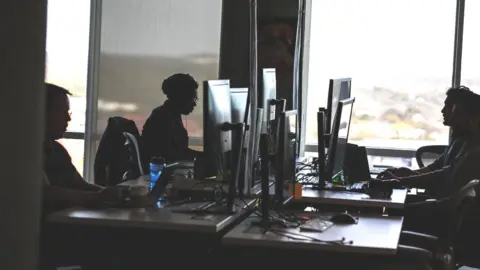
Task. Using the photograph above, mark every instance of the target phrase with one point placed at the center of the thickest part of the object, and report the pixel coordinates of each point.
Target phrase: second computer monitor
(216, 111)
(338, 89)
(268, 92)
(339, 138)
(287, 153)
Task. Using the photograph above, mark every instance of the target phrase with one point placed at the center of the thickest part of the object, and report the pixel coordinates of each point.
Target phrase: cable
(301, 236)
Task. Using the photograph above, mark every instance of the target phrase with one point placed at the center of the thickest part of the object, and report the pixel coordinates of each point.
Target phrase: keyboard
(316, 225)
(358, 186)
(355, 187)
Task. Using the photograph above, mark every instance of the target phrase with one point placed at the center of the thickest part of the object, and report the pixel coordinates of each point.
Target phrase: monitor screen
(238, 98)
(339, 89)
(343, 131)
(339, 137)
(291, 146)
(286, 156)
(216, 111)
(269, 91)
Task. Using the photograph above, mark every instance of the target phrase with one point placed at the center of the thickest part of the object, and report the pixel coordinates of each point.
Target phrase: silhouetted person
(163, 134)
(458, 99)
(63, 186)
(427, 216)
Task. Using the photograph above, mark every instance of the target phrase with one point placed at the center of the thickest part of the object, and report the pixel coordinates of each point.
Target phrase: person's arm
(434, 166)
(81, 184)
(57, 195)
(425, 180)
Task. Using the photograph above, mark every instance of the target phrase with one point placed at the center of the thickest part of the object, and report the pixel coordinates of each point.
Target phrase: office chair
(441, 254)
(114, 156)
(134, 150)
(428, 151)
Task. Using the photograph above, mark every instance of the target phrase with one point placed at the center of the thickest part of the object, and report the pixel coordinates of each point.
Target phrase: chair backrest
(459, 205)
(114, 160)
(428, 151)
(134, 150)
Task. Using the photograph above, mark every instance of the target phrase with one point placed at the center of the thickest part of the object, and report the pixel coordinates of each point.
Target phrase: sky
(405, 45)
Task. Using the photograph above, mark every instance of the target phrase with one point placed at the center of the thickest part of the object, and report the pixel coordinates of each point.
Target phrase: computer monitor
(267, 93)
(286, 155)
(216, 111)
(238, 98)
(338, 89)
(339, 138)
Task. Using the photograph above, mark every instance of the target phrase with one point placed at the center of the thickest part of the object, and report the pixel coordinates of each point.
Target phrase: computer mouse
(343, 218)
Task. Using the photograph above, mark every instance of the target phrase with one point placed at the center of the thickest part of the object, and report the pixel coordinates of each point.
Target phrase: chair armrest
(414, 253)
(421, 240)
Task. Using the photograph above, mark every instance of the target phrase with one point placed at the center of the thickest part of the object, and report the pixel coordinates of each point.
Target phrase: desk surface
(353, 198)
(159, 217)
(371, 235)
(164, 218)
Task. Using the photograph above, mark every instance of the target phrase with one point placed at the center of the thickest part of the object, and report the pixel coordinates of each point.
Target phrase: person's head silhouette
(181, 90)
(58, 111)
(456, 105)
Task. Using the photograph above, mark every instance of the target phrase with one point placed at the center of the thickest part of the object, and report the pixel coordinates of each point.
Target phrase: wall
(22, 112)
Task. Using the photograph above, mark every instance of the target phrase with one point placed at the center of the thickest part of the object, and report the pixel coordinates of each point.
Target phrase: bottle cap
(157, 160)
(161, 160)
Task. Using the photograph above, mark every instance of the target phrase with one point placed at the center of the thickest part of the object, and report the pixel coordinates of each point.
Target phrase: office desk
(374, 235)
(158, 218)
(136, 237)
(354, 199)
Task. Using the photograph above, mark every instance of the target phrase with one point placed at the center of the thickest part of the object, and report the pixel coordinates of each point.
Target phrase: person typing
(62, 185)
(455, 115)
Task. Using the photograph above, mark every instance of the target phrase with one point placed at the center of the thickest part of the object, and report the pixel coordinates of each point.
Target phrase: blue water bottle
(156, 167)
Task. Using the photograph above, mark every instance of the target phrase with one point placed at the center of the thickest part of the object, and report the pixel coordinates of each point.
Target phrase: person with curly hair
(163, 133)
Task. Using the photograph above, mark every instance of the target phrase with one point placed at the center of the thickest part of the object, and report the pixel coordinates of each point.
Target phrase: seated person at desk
(63, 187)
(163, 134)
(453, 117)
(447, 181)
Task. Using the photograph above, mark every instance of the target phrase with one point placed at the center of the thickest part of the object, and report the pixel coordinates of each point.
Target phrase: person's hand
(387, 174)
(112, 194)
(388, 184)
(395, 173)
(142, 201)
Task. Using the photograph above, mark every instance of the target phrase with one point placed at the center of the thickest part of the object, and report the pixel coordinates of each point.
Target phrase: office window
(68, 26)
(471, 44)
(143, 43)
(75, 148)
(399, 55)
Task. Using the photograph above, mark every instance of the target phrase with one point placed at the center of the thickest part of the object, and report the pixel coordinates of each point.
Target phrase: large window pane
(68, 29)
(144, 42)
(399, 54)
(68, 26)
(76, 150)
(471, 45)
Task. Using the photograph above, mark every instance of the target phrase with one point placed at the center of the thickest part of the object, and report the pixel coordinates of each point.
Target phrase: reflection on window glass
(68, 26)
(76, 149)
(143, 43)
(471, 43)
(399, 73)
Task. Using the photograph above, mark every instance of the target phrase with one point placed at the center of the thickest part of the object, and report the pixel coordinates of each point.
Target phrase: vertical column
(22, 70)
